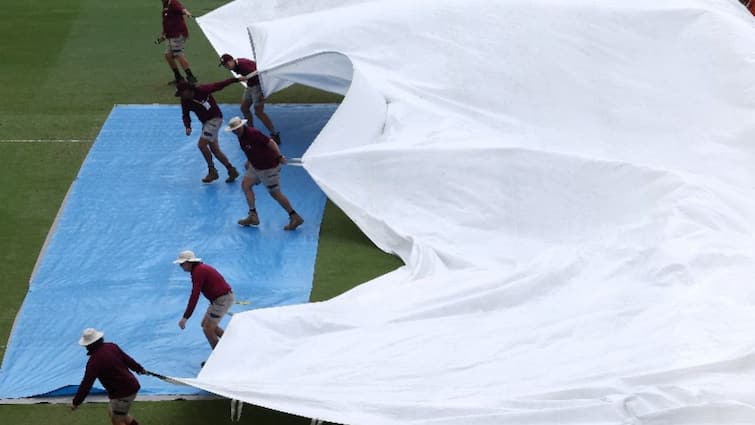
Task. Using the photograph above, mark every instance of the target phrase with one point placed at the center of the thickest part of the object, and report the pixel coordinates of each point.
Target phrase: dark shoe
(212, 175)
(276, 136)
(251, 220)
(232, 174)
(294, 222)
(192, 79)
(175, 82)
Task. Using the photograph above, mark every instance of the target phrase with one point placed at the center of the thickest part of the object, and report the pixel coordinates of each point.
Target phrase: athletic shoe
(276, 136)
(232, 174)
(212, 175)
(251, 220)
(192, 79)
(294, 222)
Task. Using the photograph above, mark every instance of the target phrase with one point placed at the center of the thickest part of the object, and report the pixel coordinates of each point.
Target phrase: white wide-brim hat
(235, 123)
(185, 256)
(90, 335)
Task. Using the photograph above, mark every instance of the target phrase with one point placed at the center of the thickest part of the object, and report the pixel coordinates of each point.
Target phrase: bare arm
(249, 76)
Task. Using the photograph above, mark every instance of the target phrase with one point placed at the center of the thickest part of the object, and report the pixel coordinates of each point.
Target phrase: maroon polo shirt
(207, 281)
(110, 365)
(174, 24)
(246, 66)
(260, 150)
(203, 104)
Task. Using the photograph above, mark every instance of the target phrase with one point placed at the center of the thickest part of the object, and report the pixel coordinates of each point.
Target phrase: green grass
(64, 65)
(40, 174)
(343, 253)
(210, 412)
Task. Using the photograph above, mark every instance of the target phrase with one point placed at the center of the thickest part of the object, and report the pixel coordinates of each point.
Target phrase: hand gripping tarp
(570, 185)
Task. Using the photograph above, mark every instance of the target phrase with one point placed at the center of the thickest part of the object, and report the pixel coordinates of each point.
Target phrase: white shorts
(210, 129)
(175, 46)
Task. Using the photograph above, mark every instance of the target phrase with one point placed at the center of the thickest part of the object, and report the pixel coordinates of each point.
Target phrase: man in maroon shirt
(210, 283)
(750, 5)
(200, 101)
(176, 33)
(108, 363)
(264, 160)
(252, 94)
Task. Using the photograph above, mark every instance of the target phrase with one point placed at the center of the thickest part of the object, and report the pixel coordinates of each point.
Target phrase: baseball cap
(225, 58)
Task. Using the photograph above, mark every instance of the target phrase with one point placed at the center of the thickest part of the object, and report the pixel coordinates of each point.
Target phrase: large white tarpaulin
(570, 185)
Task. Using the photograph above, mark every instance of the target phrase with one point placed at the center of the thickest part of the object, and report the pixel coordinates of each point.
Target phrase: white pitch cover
(571, 186)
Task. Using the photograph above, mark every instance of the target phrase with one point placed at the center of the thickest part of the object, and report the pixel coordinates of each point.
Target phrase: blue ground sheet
(135, 204)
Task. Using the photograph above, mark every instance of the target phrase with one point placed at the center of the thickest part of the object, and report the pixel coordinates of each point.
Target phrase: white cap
(90, 335)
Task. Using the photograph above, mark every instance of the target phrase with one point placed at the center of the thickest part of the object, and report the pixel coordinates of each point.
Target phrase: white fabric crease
(570, 186)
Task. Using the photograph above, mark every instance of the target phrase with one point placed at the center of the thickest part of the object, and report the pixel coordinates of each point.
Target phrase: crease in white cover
(569, 185)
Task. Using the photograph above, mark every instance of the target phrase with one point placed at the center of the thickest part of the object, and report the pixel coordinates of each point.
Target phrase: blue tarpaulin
(136, 203)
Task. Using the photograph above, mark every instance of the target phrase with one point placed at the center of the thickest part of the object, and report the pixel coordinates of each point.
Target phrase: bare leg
(294, 219)
(183, 62)
(246, 186)
(252, 219)
(259, 110)
(171, 60)
(181, 59)
(282, 200)
(212, 337)
(204, 147)
(245, 105)
(215, 148)
(210, 332)
(172, 64)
